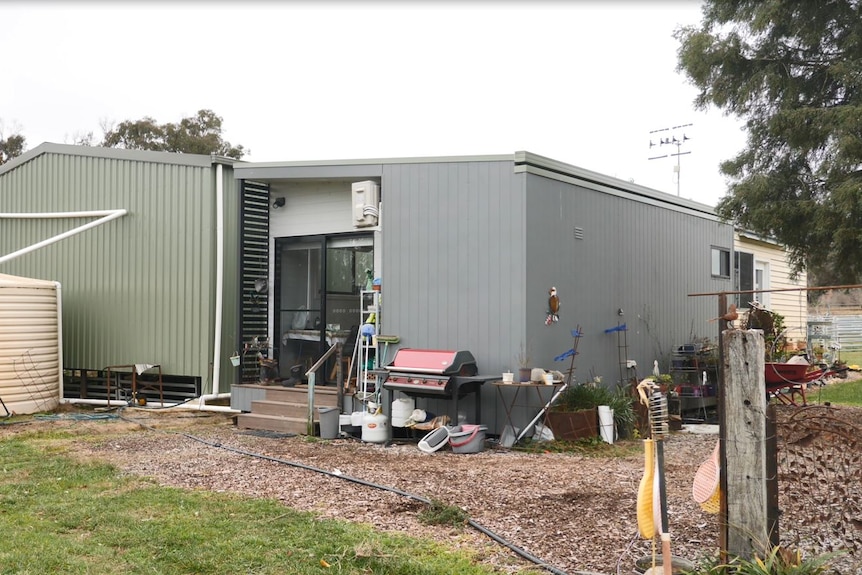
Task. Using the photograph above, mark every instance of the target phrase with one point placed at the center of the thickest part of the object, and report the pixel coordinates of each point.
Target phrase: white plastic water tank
(402, 408)
(30, 344)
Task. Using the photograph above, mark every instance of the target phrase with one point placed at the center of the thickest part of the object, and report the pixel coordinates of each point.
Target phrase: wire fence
(848, 330)
(819, 456)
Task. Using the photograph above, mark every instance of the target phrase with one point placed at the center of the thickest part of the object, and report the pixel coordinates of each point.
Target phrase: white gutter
(219, 295)
(103, 215)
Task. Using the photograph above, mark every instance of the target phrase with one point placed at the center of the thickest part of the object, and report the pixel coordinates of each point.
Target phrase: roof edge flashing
(528, 159)
(176, 158)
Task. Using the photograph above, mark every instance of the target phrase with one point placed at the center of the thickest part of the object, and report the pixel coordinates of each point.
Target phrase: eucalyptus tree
(198, 134)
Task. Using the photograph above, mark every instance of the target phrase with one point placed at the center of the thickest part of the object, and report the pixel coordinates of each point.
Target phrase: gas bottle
(375, 427)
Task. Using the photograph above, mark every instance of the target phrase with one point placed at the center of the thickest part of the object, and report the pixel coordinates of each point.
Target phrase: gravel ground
(576, 513)
(572, 512)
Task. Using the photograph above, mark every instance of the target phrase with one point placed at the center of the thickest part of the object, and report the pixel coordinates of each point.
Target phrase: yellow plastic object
(713, 504)
(646, 522)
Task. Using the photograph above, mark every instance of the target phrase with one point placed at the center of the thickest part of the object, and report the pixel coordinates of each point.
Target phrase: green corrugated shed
(140, 288)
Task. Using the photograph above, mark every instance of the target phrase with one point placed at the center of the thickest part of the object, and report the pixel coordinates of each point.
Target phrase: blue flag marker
(564, 355)
(617, 328)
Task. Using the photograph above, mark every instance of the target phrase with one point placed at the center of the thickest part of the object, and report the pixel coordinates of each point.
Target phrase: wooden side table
(136, 384)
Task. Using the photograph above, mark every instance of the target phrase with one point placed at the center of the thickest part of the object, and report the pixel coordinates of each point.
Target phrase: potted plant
(525, 360)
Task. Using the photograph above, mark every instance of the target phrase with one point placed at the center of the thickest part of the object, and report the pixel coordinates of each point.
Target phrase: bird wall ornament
(553, 307)
(731, 316)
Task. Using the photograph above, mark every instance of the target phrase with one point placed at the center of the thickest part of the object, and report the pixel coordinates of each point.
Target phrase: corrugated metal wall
(607, 252)
(604, 252)
(453, 258)
(139, 289)
(470, 250)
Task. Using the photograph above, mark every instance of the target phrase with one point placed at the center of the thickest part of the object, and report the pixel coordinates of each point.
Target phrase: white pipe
(103, 402)
(219, 295)
(119, 403)
(217, 408)
(106, 216)
(201, 405)
(60, 335)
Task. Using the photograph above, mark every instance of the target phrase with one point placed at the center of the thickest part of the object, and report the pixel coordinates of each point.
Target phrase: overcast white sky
(582, 82)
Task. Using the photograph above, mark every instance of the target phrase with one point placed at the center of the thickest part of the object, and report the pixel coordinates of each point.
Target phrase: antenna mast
(673, 136)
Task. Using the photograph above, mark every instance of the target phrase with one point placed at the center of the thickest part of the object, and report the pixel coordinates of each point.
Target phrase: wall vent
(578, 233)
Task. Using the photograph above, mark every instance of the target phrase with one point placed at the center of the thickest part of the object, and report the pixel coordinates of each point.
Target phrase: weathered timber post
(744, 466)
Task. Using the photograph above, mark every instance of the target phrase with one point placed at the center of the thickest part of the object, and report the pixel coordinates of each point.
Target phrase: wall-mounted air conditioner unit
(366, 203)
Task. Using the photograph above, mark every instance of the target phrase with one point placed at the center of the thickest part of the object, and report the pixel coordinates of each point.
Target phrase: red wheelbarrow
(787, 382)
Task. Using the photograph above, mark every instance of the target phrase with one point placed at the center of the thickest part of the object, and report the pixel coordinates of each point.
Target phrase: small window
(721, 262)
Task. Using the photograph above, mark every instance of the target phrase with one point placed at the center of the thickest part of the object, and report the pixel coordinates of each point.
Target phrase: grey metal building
(153, 281)
(203, 257)
(467, 248)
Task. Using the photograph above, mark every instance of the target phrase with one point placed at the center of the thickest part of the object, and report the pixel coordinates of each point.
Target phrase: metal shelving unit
(695, 380)
(367, 362)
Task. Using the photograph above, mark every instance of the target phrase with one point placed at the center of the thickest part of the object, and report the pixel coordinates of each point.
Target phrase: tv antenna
(673, 136)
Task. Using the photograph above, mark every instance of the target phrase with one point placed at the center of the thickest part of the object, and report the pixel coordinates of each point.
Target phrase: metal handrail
(312, 375)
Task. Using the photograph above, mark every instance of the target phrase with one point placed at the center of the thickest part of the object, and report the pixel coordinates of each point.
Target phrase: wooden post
(744, 468)
(772, 509)
(722, 433)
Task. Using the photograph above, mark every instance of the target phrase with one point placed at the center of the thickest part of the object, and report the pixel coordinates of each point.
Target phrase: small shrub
(438, 513)
(779, 561)
(578, 397)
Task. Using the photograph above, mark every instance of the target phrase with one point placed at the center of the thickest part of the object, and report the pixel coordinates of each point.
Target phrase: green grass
(60, 516)
(847, 393)
(851, 357)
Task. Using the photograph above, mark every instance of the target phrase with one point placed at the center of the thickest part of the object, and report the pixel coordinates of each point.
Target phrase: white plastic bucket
(401, 410)
(606, 423)
(375, 428)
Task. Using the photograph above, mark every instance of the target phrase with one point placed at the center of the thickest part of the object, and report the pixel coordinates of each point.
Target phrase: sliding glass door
(317, 285)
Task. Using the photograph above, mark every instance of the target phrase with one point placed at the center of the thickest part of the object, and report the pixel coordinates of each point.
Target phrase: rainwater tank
(30, 345)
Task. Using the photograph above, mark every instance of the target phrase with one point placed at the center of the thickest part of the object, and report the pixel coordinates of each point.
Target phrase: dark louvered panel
(254, 266)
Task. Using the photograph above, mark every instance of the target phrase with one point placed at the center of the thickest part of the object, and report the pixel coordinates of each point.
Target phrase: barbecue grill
(441, 374)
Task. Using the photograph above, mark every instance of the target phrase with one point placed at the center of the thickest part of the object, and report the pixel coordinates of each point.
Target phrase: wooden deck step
(323, 396)
(282, 408)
